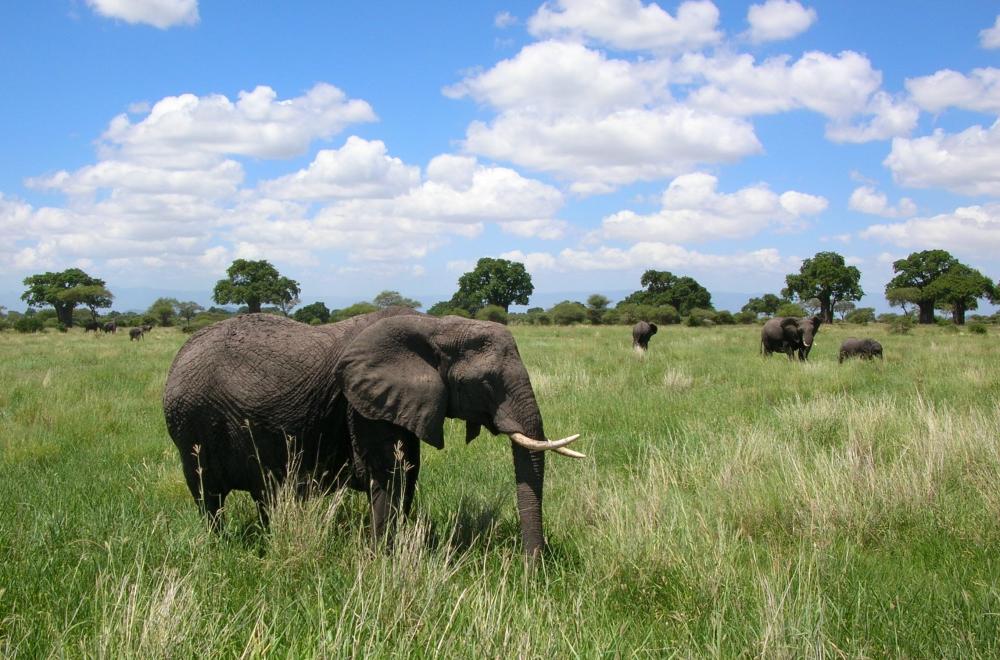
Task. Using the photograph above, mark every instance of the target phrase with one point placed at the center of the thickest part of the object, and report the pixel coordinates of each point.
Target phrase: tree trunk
(65, 314)
(253, 306)
(926, 311)
(826, 310)
(958, 314)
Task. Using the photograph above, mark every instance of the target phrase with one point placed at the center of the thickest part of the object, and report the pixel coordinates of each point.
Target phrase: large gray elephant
(353, 400)
(863, 348)
(641, 332)
(789, 335)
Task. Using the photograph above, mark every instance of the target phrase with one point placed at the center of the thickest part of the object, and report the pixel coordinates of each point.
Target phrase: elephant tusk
(542, 445)
(565, 451)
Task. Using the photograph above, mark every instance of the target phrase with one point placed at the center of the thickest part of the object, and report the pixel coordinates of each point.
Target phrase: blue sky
(368, 146)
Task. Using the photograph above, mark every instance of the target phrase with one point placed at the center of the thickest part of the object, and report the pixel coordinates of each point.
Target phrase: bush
(977, 328)
(493, 313)
(791, 309)
(54, 324)
(701, 318)
(745, 318)
(901, 325)
(28, 324)
(862, 315)
(725, 317)
(568, 313)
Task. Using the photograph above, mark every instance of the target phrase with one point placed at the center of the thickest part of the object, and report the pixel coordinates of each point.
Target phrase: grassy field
(730, 505)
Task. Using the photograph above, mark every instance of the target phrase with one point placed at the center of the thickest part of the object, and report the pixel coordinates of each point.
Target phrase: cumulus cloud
(990, 37)
(866, 199)
(776, 20)
(546, 229)
(653, 254)
(979, 91)
(966, 162)
(629, 24)
(970, 230)
(190, 130)
(158, 13)
(694, 211)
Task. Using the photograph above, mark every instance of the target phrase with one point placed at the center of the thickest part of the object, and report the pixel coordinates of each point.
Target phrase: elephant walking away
(641, 332)
(111, 327)
(789, 335)
(135, 333)
(250, 396)
(91, 326)
(863, 348)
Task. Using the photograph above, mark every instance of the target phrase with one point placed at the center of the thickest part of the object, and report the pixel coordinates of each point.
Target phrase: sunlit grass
(730, 505)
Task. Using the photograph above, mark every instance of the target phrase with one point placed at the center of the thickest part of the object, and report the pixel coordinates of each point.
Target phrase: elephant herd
(259, 400)
(790, 335)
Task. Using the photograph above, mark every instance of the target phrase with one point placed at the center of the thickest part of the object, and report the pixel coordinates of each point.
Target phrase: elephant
(789, 335)
(863, 348)
(135, 333)
(110, 326)
(249, 399)
(641, 332)
(91, 326)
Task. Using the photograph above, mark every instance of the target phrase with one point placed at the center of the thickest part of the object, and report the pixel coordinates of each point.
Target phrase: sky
(362, 147)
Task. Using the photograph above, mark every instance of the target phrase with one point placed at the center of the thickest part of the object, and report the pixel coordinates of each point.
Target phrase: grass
(730, 505)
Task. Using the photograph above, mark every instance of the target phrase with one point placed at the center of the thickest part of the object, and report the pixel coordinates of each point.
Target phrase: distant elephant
(789, 335)
(862, 348)
(351, 400)
(135, 333)
(91, 326)
(111, 327)
(641, 332)
(146, 327)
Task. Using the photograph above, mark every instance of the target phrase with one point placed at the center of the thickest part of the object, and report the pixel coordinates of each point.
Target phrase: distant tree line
(826, 285)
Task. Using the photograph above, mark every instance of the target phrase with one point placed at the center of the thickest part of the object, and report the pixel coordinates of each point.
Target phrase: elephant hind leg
(391, 456)
(208, 493)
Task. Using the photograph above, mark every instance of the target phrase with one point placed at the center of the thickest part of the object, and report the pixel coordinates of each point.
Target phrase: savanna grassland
(729, 505)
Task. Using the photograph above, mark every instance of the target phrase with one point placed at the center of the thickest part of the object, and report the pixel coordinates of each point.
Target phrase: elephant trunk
(529, 473)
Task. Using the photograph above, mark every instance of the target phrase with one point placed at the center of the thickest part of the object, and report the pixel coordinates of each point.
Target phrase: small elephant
(110, 326)
(91, 326)
(347, 404)
(863, 348)
(135, 333)
(789, 335)
(641, 332)
(146, 328)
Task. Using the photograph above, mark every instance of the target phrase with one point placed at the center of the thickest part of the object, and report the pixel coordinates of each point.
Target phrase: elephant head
(800, 332)
(414, 371)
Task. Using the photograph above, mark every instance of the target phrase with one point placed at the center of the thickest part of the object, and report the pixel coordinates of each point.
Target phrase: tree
(317, 312)
(64, 291)
(916, 273)
(393, 299)
(568, 312)
(188, 310)
(356, 309)
(664, 288)
(253, 283)
(767, 304)
(861, 315)
(902, 296)
(812, 306)
(164, 310)
(493, 282)
(827, 277)
(959, 290)
(597, 305)
(843, 307)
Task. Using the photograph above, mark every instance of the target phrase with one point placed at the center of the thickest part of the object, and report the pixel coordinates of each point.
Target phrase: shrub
(493, 313)
(901, 325)
(725, 317)
(861, 315)
(791, 309)
(977, 328)
(701, 318)
(745, 318)
(28, 324)
(54, 324)
(568, 312)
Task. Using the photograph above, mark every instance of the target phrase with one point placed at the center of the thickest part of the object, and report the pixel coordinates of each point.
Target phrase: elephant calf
(862, 348)
(135, 333)
(641, 332)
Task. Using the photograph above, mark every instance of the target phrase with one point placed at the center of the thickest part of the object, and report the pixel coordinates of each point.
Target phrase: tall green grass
(730, 505)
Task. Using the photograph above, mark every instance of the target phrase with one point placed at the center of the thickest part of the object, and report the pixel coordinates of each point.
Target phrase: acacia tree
(253, 283)
(164, 310)
(665, 288)
(914, 276)
(64, 291)
(493, 282)
(394, 299)
(188, 310)
(827, 277)
(843, 307)
(959, 289)
(767, 304)
(597, 306)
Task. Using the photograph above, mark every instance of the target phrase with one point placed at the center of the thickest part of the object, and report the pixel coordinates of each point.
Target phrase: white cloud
(867, 199)
(533, 261)
(966, 162)
(360, 168)
(190, 130)
(692, 211)
(213, 182)
(546, 229)
(980, 91)
(630, 24)
(776, 20)
(990, 37)
(971, 230)
(504, 20)
(888, 118)
(652, 254)
(158, 13)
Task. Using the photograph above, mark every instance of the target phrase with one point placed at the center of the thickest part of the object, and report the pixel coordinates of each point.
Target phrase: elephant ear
(789, 321)
(652, 328)
(392, 372)
(816, 321)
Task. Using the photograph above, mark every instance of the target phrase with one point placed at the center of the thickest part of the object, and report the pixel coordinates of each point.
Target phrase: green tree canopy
(394, 299)
(843, 307)
(317, 312)
(187, 310)
(64, 291)
(827, 277)
(959, 289)
(164, 310)
(253, 283)
(767, 304)
(493, 282)
(915, 274)
(665, 288)
(568, 312)
(597, 306)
